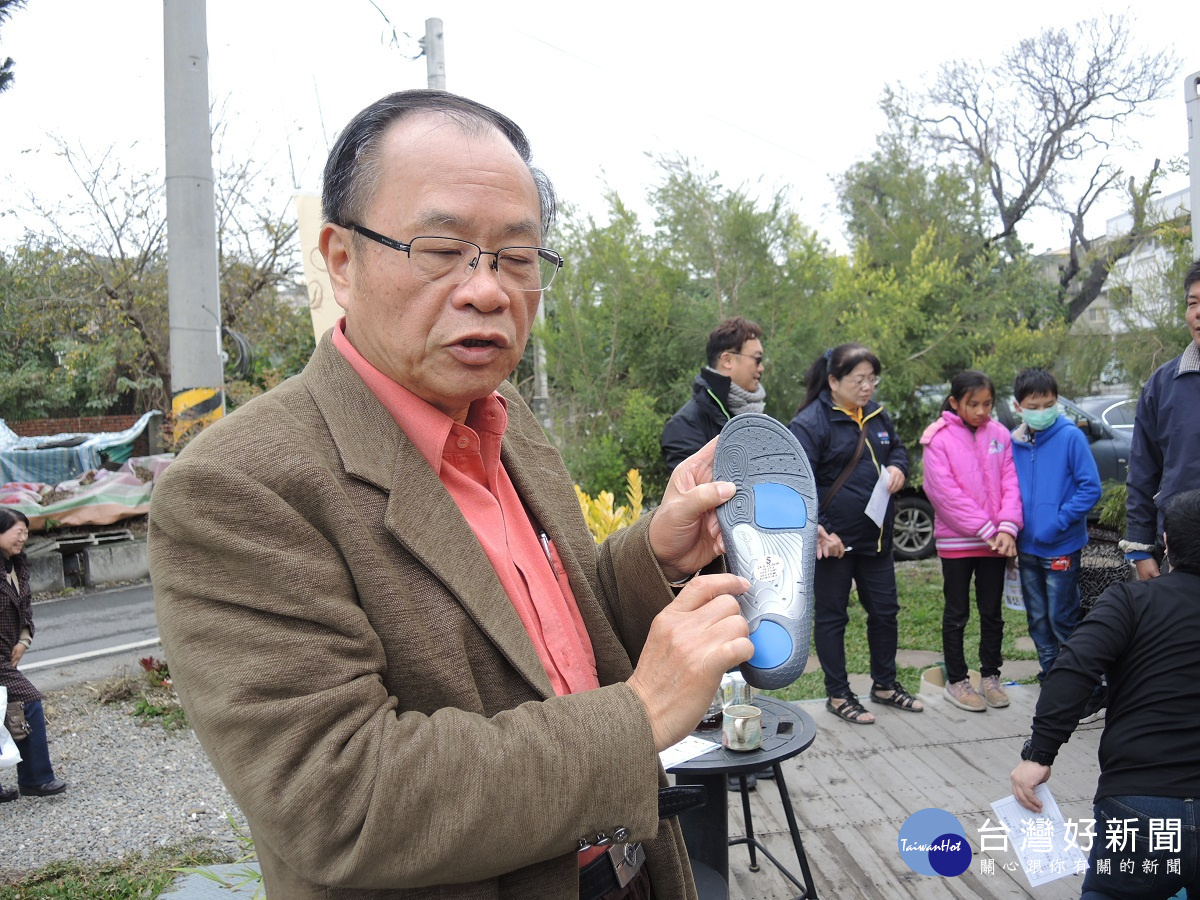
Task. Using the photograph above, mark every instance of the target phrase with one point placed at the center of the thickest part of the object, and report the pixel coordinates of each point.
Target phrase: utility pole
(1191, 96)
(435, 54)
(541, 390)
(193, 285)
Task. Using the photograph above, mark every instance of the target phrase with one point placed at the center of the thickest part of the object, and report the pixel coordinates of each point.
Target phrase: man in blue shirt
(1165, 457)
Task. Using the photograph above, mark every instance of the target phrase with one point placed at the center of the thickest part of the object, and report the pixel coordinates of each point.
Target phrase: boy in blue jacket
(1059, 486)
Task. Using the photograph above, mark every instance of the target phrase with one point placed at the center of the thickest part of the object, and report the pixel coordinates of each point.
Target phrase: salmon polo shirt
(466, 458)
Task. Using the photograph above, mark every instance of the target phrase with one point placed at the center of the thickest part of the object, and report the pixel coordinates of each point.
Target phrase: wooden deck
(856, 785)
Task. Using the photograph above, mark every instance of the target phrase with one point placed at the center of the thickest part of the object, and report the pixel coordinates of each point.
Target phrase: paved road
(91, 636)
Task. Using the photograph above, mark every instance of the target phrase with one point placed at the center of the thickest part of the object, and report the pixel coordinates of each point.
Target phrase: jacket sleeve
(1145, 471)
(815, 441)
(283, 675)
(1086, 478)
(898, 455)
(1101, 638)
(1011, 511)
(953, 503)
(679, 441)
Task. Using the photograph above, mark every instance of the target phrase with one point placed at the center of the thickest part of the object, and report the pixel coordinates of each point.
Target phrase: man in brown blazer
(404, 696)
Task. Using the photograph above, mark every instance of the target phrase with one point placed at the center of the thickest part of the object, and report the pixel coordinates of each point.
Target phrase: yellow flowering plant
(602, 518)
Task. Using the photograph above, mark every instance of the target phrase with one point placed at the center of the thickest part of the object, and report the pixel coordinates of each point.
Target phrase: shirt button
(463, 442)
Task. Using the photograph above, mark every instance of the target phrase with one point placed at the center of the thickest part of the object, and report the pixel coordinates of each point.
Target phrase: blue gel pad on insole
(772, 645)
(778, 506)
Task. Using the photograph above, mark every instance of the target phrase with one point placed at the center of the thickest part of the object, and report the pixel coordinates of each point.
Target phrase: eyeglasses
(860, 381)
(435, 259)
(758, 360)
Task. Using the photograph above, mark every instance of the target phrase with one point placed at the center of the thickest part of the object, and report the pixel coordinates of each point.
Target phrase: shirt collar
(425, 425)
(1190, 360)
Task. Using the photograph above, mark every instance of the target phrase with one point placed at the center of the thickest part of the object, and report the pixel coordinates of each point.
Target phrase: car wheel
(912, 532)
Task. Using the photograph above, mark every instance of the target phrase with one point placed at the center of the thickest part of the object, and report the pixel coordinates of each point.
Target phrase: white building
(1136, 292)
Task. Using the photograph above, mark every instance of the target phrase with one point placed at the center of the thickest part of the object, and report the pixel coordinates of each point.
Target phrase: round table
(787, 732)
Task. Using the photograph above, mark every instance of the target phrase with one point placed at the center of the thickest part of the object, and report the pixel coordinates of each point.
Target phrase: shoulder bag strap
(841, 479)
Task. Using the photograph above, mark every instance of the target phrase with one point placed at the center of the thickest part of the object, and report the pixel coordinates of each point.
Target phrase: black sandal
(851, 710)
(899, 697)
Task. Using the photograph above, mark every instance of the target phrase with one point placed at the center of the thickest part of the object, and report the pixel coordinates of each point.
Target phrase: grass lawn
(920, 628)
(135, 877)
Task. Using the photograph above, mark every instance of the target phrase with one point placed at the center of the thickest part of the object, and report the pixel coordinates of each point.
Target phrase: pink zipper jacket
(972, 483)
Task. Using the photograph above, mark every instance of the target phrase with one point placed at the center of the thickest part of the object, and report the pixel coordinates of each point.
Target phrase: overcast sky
(784, 94)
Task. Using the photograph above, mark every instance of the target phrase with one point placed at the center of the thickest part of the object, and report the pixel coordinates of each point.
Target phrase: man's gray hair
(352, 171)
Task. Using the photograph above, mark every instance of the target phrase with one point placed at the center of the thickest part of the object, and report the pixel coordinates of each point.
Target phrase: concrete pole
(1191, 96)
(435, 54)
(541, 390)
(193, 284)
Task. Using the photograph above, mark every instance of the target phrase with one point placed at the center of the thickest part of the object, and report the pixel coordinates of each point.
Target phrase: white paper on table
(689, 748)
(877, 505)
(1040, 839)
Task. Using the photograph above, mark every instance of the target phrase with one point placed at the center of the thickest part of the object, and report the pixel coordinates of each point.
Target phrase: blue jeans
(34, 769)
(1146, 876)
(1051, 598)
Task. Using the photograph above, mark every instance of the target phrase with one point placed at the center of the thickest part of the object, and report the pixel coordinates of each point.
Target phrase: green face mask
(1039, 419)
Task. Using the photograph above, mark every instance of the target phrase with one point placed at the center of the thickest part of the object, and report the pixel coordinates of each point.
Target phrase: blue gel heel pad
(778, 506)
(772, 645)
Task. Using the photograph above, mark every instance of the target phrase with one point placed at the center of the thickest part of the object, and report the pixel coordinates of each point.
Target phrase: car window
(1120, 415)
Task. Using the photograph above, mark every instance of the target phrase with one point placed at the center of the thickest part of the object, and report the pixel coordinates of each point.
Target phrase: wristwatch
(1041, 757)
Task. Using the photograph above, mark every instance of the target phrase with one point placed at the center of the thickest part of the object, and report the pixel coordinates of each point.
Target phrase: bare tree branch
(1051, 101)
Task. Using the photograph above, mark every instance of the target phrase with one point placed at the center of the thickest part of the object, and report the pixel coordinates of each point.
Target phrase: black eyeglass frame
(550, 256)
(758, 360)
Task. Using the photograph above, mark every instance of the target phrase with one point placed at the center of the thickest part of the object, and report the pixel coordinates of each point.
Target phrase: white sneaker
(1093, 710)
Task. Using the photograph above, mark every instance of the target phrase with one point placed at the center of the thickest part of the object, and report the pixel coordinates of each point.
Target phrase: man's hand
(1025, 778)
(1003, 543)
(829, 544)
(692, 643)
(684, 534)
(17, 652)
(896, 479)
(1146, 569)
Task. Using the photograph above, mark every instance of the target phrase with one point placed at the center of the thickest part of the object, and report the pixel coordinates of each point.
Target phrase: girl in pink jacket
(972, 483)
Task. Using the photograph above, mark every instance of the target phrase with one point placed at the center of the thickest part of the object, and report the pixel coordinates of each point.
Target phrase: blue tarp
(37, 460)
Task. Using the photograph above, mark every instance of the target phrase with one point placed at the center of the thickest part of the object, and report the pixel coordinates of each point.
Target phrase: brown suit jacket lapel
(420, 514)
(538, 473)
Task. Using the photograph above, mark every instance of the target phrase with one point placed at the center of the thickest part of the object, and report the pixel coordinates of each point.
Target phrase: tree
(611, 350)
(936, 317)
(742, 256)
(95, 275)
(894, 199)
(7, 8)
(1148, 315)
(1089, 262)
(627, 320)
(56, 358)
(1055, 103)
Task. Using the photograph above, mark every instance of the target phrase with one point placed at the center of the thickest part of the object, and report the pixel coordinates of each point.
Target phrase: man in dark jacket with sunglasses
(728, 385)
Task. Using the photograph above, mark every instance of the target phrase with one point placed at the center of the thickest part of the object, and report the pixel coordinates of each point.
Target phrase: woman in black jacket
(853, 447)
(35, 774)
